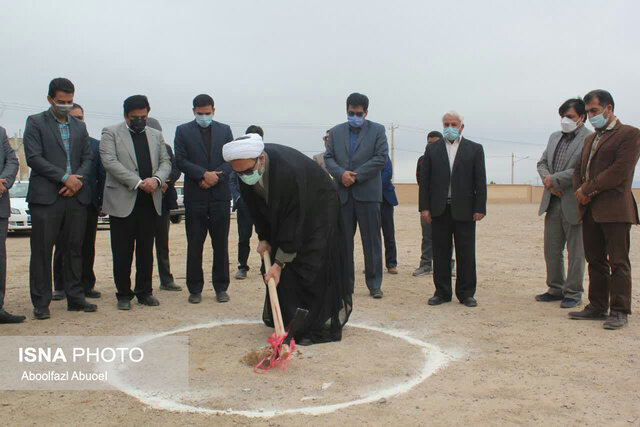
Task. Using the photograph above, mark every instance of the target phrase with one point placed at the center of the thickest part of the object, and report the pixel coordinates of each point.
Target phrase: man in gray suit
(137, 164)
(561, 225)
(57, 149)
(8, 170)
(356, 154)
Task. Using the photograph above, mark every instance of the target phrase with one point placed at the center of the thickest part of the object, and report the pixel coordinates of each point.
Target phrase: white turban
(249, 146)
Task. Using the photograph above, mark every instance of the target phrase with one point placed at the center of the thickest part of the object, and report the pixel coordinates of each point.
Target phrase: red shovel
(282, 344)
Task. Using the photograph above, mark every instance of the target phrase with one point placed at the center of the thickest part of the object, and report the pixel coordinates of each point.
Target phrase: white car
(20, 219)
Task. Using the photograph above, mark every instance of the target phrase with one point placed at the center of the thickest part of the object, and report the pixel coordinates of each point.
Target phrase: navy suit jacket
(369, 157)
(388, 190)
(193, 160)
(97, 175)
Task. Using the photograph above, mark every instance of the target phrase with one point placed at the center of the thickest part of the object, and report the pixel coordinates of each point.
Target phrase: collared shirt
(353, 139)
(65, 133)
(452, 150)
(596, 141)
(561, 149)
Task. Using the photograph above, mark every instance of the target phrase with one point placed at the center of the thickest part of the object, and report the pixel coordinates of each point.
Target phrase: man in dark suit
(357, 151)
(8, 170)
(453, 197)
(426, 259)
(207, 196)
(95, 181)
(169, 202)
(57, 149)
(243, 217)
(389, 200)
(602, 179)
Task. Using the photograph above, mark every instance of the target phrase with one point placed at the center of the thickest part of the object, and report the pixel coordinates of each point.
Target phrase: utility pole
(512, 165)
(393, 152)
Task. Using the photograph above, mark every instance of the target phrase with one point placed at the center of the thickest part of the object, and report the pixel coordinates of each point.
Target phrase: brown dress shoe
(589, 313)
(392, 270)
(616, 320)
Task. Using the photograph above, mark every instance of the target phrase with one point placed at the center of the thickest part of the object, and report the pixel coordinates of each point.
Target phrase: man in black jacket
(169, 202)
(57, 149)
(207, 197)
(95, 181)
(453, 197)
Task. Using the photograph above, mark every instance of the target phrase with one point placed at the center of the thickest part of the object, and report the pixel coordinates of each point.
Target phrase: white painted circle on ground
(434, 359)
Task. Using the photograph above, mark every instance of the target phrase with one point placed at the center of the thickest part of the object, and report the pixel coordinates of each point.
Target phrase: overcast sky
(288, 66)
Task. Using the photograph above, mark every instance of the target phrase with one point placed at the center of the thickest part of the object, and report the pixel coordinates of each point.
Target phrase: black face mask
(137, 124)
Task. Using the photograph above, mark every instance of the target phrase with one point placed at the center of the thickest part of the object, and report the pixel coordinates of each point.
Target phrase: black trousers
(134, 232)
(162, 249)
(245, 230)
(389, 234)
(444, 227)
(4, 228)
(88, 277)
(212, 217)
(61, 223)
(366, 215)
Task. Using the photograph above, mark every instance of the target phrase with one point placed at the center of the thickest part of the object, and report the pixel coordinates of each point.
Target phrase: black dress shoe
(171, 286)
(10, 318)
(222, 296)
(195, 298)
(304, 342)
(41, 313)
(87, 307)
(469, 302)
(149, 300)
(58, 295)
(92, 293)
(376, 293)
(124, 304)
(547, 297)
(436, 300)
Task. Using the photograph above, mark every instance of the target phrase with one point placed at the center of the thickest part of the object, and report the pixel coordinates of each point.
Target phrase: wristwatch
(280, 264)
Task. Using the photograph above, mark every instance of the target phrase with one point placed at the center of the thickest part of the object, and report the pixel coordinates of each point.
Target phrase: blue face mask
(355, 121)
(251, 179)
(451, 133)
(204, 121)
(598, 121)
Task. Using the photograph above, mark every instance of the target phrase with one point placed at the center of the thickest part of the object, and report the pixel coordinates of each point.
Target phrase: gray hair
(455, 114)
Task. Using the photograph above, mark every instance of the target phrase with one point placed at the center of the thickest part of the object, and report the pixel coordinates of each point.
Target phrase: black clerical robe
(302, 217)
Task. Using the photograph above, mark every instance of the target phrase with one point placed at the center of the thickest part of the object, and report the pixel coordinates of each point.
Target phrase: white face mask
(568, 125)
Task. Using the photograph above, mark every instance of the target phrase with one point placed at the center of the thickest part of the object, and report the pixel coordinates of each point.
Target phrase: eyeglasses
(325, 138)
(248, 171)
(353, 113)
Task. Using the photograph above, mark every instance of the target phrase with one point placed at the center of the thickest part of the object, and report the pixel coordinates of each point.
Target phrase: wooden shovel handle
(273, 297)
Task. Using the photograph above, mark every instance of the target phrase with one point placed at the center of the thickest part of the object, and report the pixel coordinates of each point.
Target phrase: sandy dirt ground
(517, 361)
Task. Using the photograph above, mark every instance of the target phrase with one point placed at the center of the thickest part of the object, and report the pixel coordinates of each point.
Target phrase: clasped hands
(547, 180)
(426, 216)
(348, 178)
(275, 271)
(72, 185)
(210, 179)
